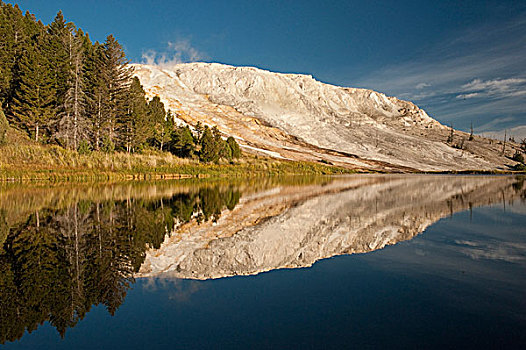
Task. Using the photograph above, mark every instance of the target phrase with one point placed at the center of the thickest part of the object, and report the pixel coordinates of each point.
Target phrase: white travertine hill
(294, 116)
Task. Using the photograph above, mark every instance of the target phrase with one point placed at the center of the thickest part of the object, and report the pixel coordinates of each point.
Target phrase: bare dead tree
(73, 124)
(504, 143)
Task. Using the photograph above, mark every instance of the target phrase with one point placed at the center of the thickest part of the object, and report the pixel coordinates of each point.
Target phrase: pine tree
(221, 147)
(117, 76)
(161, 133)
(137, 125)
(59, 87)
(58, 48)
(234, 147)
(226, 151)
(168, 128)
(33, 101)
(6, 52)
(182, 143)
(96, 90)
(209, 147)
(13, 39)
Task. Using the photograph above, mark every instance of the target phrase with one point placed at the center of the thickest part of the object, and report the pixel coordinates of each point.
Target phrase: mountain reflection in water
(65, 250)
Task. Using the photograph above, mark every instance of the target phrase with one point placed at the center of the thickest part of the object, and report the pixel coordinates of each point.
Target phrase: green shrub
(107, 145)
(84, 147)
(518, 157)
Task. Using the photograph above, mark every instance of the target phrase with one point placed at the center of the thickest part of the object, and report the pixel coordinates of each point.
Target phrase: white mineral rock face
(290, 227)
(294, 116)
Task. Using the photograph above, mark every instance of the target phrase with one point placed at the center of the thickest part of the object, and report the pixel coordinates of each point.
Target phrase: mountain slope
(296, 117)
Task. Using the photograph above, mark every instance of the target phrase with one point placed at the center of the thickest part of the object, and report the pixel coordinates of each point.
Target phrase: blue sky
(462, 61)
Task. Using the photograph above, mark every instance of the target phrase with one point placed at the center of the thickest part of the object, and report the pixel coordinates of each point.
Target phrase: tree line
(61, 88)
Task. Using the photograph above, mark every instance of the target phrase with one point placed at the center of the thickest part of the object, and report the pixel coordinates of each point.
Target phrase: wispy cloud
(421, 86)
(179, 51)
(517, 133)
(470, 95)
(475, 77)
(498, 87)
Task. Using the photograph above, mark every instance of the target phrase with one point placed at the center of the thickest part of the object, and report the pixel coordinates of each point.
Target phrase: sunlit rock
(294, 116)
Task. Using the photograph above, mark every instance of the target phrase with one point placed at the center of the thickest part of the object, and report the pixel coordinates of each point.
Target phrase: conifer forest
(59, 87)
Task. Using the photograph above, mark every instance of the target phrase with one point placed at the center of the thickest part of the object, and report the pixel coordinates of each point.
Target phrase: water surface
(361, 261)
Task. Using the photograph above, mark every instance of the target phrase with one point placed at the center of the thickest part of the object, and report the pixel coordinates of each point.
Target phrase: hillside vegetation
(24, 159)
(60, 89)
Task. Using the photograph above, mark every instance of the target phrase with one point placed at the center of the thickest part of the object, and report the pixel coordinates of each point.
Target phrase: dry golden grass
(23, 159)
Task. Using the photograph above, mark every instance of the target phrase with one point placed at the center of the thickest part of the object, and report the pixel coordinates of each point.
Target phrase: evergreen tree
(198, 132)
(209, 148)
(58, 49)
(182, 143)
(161, 133)
(13, 39)
(96, 91)
(33, 102)
(137, 126)
(116, 75)
(234, 147)
(167, 128)
(6, 52)
(60, 87)
(226, 151)
(221, 148)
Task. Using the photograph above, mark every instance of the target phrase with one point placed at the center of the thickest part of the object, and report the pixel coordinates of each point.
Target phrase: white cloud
(475, 77)
(466, 96)
(497, 84)
(184, 51)
(518, 133)
(179, 51)
(496, 87)
(421, 86)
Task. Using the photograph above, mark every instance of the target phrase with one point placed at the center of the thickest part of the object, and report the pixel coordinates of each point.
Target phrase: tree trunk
(76, 106)
(98, 123)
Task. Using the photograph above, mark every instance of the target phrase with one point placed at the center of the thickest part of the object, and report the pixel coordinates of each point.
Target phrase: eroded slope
(296, 117)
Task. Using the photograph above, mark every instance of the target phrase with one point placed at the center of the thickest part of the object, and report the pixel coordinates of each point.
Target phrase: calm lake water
(363, 261)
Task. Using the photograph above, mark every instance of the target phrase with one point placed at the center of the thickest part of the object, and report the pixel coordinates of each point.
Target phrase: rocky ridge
(296, 117)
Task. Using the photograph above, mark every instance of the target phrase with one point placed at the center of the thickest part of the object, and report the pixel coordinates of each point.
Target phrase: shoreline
(204, 172)
(28, 162)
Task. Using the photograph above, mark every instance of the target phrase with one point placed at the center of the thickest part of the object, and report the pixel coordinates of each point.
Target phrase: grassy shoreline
(24, 160)
(30, 162)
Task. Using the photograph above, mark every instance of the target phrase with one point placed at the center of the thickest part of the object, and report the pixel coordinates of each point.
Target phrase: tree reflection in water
(56, 263)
